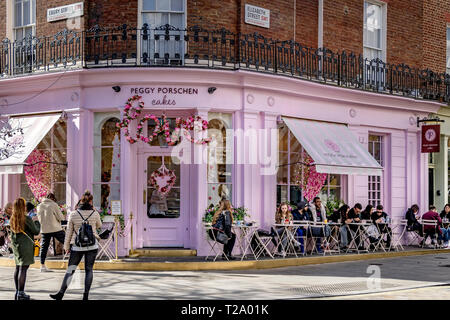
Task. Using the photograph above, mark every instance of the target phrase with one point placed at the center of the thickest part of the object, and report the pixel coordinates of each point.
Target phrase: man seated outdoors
(430, 231)
(354, 216)
(319, 214)
(381, 219)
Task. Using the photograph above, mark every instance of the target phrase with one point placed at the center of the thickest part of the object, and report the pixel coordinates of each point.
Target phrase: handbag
(221, 237)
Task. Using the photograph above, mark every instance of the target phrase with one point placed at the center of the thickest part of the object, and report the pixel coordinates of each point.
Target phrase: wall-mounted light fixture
(211, 90)
(116, 88)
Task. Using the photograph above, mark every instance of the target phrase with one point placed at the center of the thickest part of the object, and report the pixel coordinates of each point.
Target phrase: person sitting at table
(430, 231)
(413, 224)
(283, 216)
(50, 217)
(318, 214)
(380, 218)
(301, 214)
(354, 215)
(344, 230)
(445, 213)
(366, 214)
(223, 220)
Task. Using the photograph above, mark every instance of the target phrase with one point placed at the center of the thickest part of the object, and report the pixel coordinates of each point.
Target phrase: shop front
(364, 146)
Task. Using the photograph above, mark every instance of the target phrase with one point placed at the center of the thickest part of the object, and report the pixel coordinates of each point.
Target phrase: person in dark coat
(301, 214)
(223, 220)
(446, 212)
(413, 223)
(381, 219)
(367, 213)
(23, 230)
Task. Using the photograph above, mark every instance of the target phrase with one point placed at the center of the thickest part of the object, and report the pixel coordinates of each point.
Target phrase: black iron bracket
(429, 119)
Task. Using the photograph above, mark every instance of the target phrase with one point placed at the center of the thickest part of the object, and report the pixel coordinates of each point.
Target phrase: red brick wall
(109, 13)
(44, 28)
(343, 25)
(2, 20)
(434, 34)
(213, 14)
(404, 32)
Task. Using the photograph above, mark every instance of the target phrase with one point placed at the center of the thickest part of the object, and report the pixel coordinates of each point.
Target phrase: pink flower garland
(38, 176)
(163, 126)
(312, 181)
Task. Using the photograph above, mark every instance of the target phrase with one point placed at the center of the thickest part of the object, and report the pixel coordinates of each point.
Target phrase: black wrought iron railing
(220, 49)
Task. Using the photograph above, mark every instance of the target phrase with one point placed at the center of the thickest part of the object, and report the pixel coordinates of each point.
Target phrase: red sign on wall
(431, 136)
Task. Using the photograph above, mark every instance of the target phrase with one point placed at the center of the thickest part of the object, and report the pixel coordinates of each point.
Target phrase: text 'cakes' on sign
(257, 16)
(65, 12)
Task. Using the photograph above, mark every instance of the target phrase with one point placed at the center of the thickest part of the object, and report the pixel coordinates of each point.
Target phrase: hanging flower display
(38, 176)
(162, 125)
(310, 181)
(163, 180)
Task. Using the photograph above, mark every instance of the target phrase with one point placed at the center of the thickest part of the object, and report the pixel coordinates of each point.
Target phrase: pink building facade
(243, 101)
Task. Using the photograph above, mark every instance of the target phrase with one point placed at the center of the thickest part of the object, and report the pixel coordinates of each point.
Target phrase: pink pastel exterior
(245, 95)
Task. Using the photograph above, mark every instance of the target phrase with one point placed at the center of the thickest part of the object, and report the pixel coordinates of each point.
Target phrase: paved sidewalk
(343, 279)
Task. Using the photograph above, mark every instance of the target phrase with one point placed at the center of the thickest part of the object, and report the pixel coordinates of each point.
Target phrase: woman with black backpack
(81, 240)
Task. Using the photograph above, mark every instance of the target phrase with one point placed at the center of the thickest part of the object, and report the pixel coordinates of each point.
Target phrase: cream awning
(333, 147)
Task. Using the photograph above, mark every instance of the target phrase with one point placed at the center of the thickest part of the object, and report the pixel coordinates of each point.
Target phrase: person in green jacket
(23, 230)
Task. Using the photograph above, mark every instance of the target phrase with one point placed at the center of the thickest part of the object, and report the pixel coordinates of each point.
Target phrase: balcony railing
(217, 49)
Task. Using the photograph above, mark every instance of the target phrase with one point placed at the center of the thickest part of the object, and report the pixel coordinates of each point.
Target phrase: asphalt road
(414, 277)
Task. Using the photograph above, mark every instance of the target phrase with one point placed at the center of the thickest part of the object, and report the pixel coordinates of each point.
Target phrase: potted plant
(332, 205)
(209, 213)
(240, 213)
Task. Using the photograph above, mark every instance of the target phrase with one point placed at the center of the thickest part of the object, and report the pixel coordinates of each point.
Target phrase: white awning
(333, 147)
(34, 130)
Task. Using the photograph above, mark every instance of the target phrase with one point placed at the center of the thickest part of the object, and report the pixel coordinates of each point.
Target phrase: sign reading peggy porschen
(257, 16)
(164, 95)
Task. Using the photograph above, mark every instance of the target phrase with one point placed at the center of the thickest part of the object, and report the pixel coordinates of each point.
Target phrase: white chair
(105, 244)
(216, 248)
(262, 245)
(432, 225)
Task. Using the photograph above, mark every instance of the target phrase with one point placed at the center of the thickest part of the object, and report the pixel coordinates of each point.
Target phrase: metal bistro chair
(432, 234)
(398, 227)
(212, 242)
(106, 239)
(361, 235)
(262, 245)
(407, 231)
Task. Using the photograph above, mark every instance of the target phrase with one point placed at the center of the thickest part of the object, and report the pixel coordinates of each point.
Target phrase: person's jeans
(45, 243)
(444, 235)
(343, 230)
(300, 233)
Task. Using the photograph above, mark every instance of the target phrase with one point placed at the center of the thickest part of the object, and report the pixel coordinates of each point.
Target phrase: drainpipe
(295, 14)
(320, 27)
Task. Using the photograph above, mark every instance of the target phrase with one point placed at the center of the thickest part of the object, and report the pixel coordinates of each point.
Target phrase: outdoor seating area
(253, 242)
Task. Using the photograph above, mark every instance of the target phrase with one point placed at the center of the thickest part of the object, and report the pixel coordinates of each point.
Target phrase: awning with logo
(333, 147)
(34, 130)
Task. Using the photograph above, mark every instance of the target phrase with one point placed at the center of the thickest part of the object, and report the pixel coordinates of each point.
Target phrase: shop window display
(107, 161)
(219, 159)
(54, 146)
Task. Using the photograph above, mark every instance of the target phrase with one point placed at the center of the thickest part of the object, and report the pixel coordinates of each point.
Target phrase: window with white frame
(376, 182)
(24, 23)
(106, 184)
(220, 158)
(448, 50)
(54, 146)
(373, 35)
(158, 13)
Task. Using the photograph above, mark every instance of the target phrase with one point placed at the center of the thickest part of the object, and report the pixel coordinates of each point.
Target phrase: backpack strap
(84, 220)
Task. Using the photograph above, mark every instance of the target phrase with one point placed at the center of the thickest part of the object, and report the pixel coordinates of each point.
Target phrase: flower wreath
(159, 175)
(162, 126)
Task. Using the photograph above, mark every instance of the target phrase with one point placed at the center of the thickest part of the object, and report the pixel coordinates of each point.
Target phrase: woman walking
(23, 230)
(76, 246)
